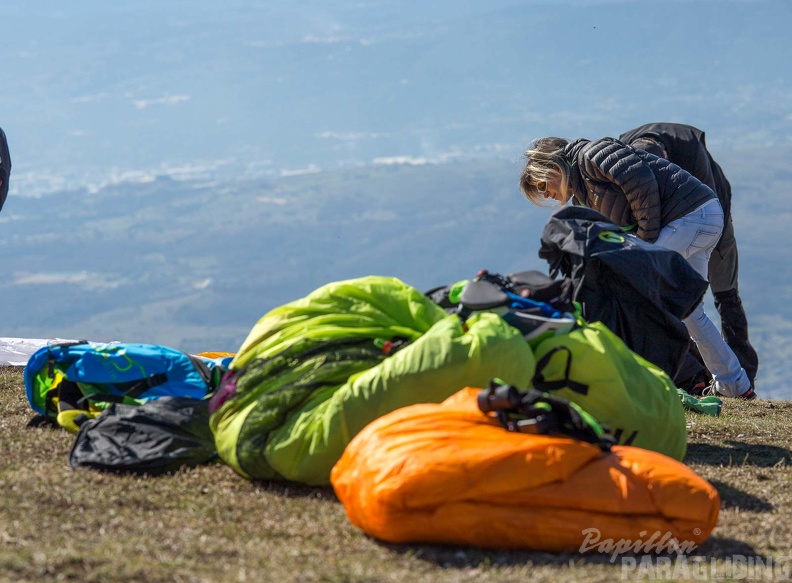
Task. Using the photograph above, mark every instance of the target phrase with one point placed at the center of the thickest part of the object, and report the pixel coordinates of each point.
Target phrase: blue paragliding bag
(74, 381)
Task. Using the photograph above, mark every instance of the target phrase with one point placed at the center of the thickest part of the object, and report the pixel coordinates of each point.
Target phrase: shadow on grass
(42, 421)
(737, 453)
(449, 556)
(732, 497)
(471, 557)
(717, 547)
(296, 490)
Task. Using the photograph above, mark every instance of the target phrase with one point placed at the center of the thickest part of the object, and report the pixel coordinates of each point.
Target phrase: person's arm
(611, 161)
(650, 145)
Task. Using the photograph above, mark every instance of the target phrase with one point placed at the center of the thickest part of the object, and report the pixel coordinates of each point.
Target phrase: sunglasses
(541, 187)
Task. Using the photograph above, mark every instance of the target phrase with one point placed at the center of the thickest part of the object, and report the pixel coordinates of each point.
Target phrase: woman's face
(557, 187)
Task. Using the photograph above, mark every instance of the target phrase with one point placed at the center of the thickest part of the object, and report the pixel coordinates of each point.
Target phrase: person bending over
(685, 146)
(665, 204)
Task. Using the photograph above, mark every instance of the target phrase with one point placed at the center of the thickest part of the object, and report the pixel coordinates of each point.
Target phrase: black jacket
(686, 147)
(5, 167)
(632, 187)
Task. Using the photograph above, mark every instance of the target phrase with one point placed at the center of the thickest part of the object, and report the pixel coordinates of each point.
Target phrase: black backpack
(640, 291)
(154, 438)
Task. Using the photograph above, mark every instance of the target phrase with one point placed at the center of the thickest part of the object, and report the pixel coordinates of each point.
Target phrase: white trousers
(694, 236)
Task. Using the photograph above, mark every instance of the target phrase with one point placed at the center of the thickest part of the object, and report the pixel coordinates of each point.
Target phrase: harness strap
(540, 413)
(130, 389)
(542, 384)
(203, 370)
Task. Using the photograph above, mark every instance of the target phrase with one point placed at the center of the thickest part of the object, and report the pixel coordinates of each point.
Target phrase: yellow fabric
(312, 439)
(633, 397)
(372, 306)
(66, 418)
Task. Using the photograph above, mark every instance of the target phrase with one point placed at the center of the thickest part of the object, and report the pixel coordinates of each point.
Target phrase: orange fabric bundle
(446, 473)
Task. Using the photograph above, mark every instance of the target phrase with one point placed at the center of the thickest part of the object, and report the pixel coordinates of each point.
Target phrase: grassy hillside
(208, 524)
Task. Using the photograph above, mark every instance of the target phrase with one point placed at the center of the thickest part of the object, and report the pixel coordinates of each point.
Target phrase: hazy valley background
(181, 169)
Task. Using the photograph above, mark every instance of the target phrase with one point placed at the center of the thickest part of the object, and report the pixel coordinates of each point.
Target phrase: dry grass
(208, 524)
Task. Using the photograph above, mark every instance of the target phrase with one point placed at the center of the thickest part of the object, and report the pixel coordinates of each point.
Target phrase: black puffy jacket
(686, 146)
(632, 187)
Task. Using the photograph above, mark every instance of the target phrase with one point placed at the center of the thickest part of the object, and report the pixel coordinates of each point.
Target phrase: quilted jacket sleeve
(608, 160)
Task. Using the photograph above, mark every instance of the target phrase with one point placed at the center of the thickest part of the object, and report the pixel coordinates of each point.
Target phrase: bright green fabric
(270, 389)
(440, 363)
(709, 405)
(634, 398)
(292, 416)
(372, 307)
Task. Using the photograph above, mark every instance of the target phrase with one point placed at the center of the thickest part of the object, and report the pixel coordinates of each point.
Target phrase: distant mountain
(182, 167)
(221, 255)
(194, 264)
(102, 92)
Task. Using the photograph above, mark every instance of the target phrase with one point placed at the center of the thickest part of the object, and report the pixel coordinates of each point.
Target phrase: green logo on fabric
(117, 357)
(611, 237)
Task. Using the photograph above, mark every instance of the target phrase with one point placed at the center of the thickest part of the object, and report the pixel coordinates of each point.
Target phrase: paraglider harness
(529, 301)
(488, 290)
(539, 413)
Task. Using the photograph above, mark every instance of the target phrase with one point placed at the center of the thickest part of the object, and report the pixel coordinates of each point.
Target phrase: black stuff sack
(157, 437)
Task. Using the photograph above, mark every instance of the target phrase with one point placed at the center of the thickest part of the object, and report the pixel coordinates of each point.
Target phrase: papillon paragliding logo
(611, 237)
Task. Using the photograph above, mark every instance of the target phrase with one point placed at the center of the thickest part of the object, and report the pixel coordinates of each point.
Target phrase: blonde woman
(663, 203)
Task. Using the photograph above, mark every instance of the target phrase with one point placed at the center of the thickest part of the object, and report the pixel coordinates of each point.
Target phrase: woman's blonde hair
(541, 158)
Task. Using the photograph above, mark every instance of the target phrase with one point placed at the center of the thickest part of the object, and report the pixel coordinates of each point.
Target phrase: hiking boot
(748, 395)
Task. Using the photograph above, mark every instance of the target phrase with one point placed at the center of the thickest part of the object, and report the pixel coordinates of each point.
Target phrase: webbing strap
(541, 413)
(203, 369)
(542, 384)
(130, 389)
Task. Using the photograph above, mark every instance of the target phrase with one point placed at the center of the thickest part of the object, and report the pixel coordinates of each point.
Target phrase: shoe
(696, 384)
(710, 390)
